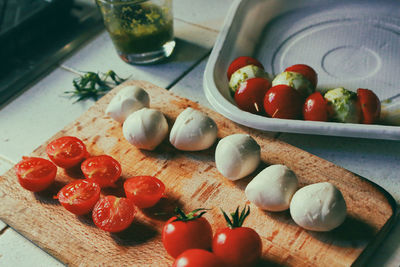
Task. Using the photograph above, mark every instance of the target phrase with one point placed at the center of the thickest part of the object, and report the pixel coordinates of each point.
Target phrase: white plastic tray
(351, 44)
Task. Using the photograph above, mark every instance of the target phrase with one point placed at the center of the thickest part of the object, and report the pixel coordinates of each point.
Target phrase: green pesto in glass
(137, 26)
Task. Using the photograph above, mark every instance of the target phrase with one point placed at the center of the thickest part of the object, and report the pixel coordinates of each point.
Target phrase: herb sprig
(91, 85)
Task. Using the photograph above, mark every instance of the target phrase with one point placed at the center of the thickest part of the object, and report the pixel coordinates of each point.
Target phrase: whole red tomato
(241, 62)
(315, 108)
(370, 105)
(235, 245)
(197, 258)
(306, 71)
(113, 214)
(144, 191)
(186, 231)
(103, 169)
(35, 174)
(66, 151)
(250, 94)
(284, 102)
(79, 197)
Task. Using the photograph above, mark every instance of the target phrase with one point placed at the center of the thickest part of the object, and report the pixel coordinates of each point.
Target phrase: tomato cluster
(292, 95)
(188, 238)
(109, 213)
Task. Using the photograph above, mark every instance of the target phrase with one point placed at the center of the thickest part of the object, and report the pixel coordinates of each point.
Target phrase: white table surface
(39, 112)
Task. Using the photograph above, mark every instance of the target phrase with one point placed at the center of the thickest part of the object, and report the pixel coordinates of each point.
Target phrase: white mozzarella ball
(318, 207)
(245, 73)
(193, 131)
(273, 188)
(145, 128)
(294, 80)
(344, 105)
(126, 101)
(237, 155)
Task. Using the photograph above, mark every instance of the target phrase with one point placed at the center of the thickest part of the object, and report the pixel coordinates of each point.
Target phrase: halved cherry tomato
(306, 71)
(315, 108)
(66, 151)
(241, 62)
(186, 231)
(370, 105)
(282, 101)
(236, 245)
(35, 174)
(144, 191)
(104, 170)
(250, 94)
(197, 258)
(79, 197)
(113, 214)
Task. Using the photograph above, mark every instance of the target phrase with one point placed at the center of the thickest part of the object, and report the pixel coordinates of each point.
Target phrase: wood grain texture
(192, 181)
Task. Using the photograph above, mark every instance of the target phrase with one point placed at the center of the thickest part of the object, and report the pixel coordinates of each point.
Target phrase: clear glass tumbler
(142, 30)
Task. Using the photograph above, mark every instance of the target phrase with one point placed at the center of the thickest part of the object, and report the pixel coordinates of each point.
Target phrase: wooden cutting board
(192, 181)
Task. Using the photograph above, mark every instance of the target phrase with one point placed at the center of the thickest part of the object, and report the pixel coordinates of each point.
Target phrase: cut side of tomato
(144, 191)
(79, 197)
(66, 151)
(369, 104)
(315, 108)
(113, 214)
(35, 174)
(241, 62)
(103, 170)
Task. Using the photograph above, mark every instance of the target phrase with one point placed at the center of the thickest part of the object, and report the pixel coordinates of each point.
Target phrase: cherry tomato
(236, 245)
(250, 94)
(315, 108)
(113, 214)
(306, 71)
(197, 258)
(35, 174)
(284, 102)
(79, 197)
(104, 170)
(66, 151)
(370, 105)
(186, 231)
(144, 191)
(241, 62)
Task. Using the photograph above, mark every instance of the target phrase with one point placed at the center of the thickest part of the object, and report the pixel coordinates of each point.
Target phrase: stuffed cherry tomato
(66, 151)
(250, 94)
(241, 62)
(104, 170)
(113, 214)
(305, 70)
(315, 108)
(237, 245)
(35, 174)
(144, 191)
(284, 102)
(186, 231)
(79, 197)
(197, 258)
(370, 105)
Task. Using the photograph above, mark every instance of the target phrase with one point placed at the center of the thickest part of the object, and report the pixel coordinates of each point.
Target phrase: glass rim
(121, 2)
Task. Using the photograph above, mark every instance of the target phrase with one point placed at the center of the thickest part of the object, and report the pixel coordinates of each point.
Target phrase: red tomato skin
(144, 191)
(237, 247)
(179, 236)
(113, 214)
(284, 102)
(306, 71)
(84, 194)
(197, 258)
(35, 174)
(315, 108)
(103, 169)
(59, 151)
(369, 104)
(250, 95)
(241, 62)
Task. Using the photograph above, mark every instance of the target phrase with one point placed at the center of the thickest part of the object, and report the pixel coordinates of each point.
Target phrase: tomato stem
(181, 216)
(237, 217)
